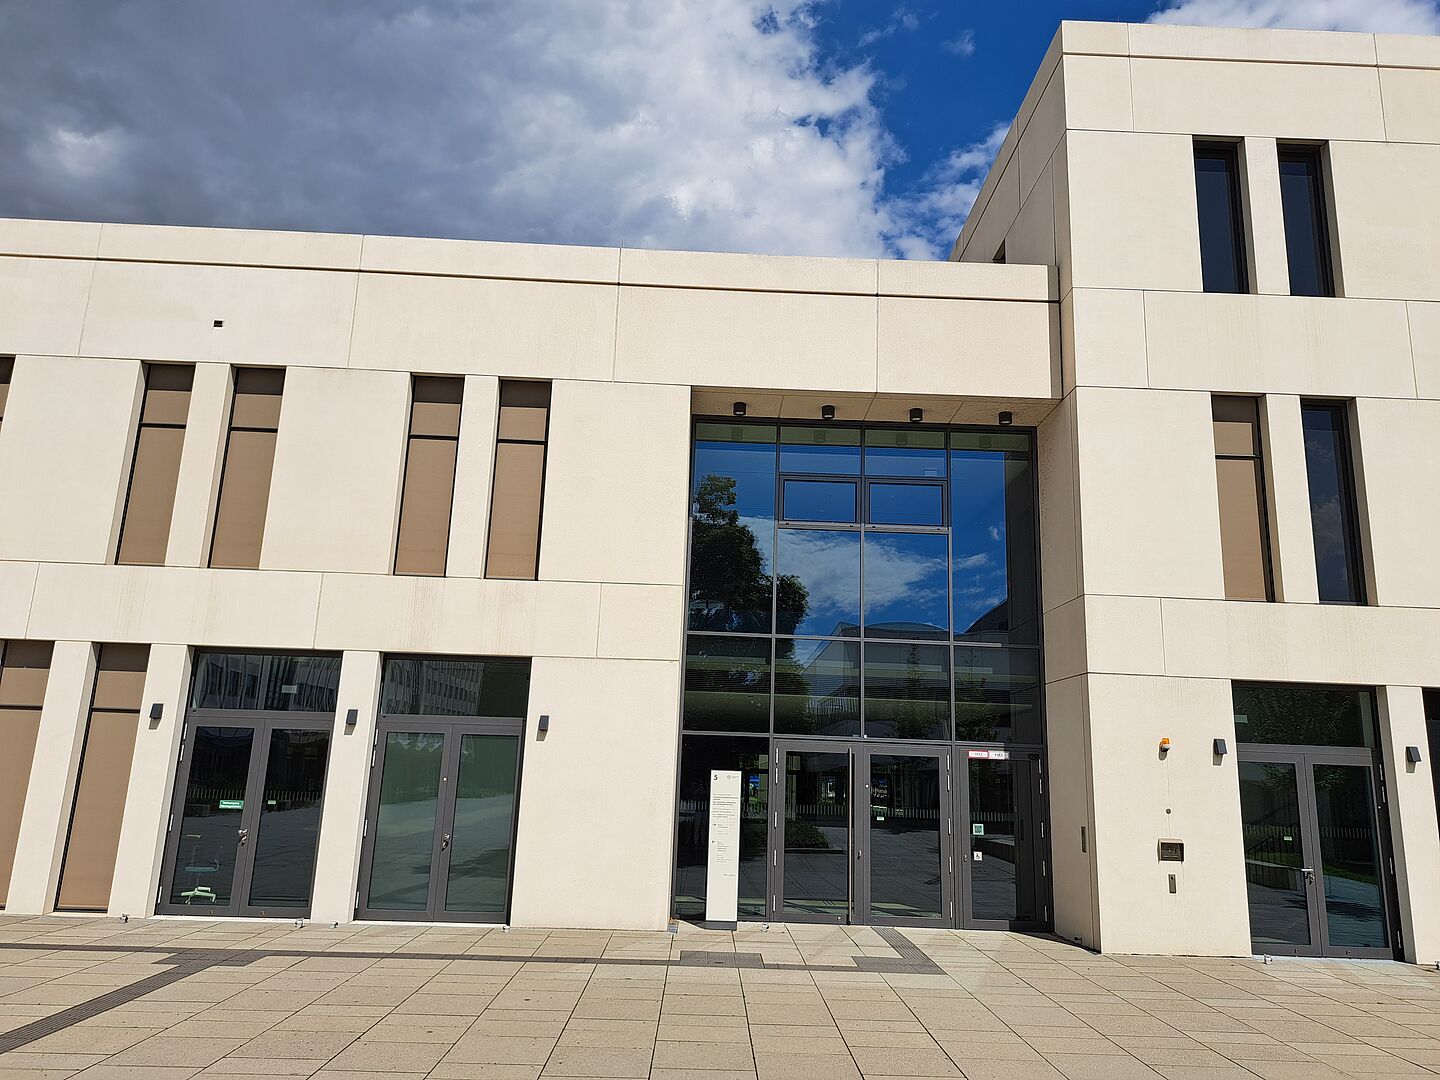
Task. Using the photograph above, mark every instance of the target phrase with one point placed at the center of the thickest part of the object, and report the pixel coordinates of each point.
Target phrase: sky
(809, 127)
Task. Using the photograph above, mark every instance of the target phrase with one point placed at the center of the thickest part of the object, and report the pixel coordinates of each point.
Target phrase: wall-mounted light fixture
(352, 717)
(1220, 748)
(1412, 755)
(738, 408)
(1007, 418)
(917, 415)
(157, 710)
(544, 723)
(827, 412)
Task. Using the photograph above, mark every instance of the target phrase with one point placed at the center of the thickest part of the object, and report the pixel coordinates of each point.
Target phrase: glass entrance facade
(868, 593)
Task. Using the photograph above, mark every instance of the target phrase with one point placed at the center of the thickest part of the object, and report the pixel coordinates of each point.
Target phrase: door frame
(1305, 758)
(857, 857)
(452, 729)
(1034, 760)
(261, 723)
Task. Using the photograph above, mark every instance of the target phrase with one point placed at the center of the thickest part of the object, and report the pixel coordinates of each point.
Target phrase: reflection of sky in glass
(1328, 510)
(820, 500)
(828, 565)
(904, 461)
(905, 584)
(977, 529)
(753, 468)
(842, 460)
(906, 504)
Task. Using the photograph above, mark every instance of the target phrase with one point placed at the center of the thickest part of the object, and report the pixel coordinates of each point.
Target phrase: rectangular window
(104, 779)
(1240, 480)
(429, 476)
(1431, 699)
(24, 671)
(1222, 218)
(1333, 519)
(1307, 226)
(265, 682)
(519, 488)
(145, 527)
(249, 458)
(1304, 715)
(7, 368)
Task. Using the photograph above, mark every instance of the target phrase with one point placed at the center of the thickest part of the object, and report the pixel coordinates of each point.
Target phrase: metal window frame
(1313, 157)
(1229, 152)
(1349, 501)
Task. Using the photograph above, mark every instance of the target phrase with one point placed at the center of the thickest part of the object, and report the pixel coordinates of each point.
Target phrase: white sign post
(722, 876)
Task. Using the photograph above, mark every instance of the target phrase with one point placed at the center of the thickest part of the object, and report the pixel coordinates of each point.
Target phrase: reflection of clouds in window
(894, 571)
(828, 565)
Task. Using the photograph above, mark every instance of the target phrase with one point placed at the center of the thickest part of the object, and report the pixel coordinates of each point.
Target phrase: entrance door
(246, 816)
(1314, 869)
(1002, 844)
(439, 834)
(861, 834)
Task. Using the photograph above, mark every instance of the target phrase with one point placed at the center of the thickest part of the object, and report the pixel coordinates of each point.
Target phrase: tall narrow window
(249, 458)
(1431, 700)
(1240, 479)
(429, 476)
(24, 671)
(1333, 520)
(7, 368)
(1222, 218)
(104, 779)
(514, 550)
(145, 529)
(1307, 228)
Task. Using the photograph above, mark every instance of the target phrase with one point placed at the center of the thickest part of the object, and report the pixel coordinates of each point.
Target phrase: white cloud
(962, 46)
(701, 124)
(1372, 16)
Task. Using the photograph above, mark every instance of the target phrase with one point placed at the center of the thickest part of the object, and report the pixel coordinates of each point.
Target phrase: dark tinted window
(817, 687)
(820, 500)
(270, 682)
(893, 503)
(1222, 238)
(992, 537)
(907, 691)
(426, 686)
(727, 683)
(1304, 716)
(699, 755)
(1307, 231)
(1332, 503)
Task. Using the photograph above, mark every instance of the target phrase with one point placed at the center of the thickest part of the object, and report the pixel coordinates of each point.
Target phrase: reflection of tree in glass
(1300, 716)
(730, 584)
(975, 713)
(915, 714)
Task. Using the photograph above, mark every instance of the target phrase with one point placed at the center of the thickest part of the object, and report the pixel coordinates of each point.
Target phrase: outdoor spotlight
(157, 710)
(827, 412)
(544, 724)
(1007, 418)
(1220, 748)
(738, 408)
(352, 717)
(916, 415)
(1412, 755)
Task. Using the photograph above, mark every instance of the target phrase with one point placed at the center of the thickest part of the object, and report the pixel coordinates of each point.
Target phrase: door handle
(244, 835)
(1309, 872)
(444, 841)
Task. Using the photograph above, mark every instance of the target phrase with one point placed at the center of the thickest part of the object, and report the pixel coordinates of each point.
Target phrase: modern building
(1089, 581)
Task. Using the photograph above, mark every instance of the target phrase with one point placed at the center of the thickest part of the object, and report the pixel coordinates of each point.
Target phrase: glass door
(1314, 869)
(246, 816)
(811, 834)
(1001, 847)
(862, 834)
(441, 822)
(907, 867)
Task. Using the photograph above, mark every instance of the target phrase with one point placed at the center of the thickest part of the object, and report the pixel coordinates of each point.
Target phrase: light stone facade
(1095, 331)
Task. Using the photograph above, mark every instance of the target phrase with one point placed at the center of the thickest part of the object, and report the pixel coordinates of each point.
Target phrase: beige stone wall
(634, 342)
(1140, 642)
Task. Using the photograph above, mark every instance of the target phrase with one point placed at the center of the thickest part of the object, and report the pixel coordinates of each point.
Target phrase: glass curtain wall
(845, 582)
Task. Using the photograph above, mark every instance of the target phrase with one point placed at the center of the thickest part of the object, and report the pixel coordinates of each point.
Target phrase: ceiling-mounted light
(916, 415)
(738, 408)
(1007, 418)
(827, 412)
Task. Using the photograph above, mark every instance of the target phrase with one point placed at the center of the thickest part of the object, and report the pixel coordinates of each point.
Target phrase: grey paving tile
(589, 1061)
(696, 1055)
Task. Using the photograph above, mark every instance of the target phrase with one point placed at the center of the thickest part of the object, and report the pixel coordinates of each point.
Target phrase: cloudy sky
(826, 127)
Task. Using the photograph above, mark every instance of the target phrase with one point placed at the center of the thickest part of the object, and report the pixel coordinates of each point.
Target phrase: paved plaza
(176, 998)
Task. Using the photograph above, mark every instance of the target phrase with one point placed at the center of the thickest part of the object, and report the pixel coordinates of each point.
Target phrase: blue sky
(812, 127)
